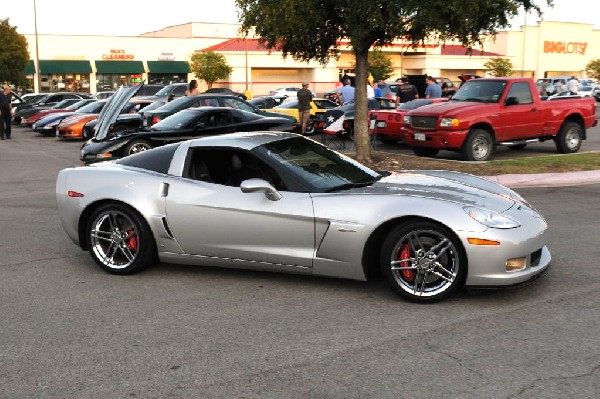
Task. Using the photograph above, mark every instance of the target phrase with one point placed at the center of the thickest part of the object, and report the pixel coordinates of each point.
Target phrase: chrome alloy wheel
(114, 239)
(425, 263)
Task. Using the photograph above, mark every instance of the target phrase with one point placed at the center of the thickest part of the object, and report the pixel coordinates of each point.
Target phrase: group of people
(571, 86)
(408, 92)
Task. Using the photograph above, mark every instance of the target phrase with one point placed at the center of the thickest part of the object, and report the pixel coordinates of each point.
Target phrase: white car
(285, 92)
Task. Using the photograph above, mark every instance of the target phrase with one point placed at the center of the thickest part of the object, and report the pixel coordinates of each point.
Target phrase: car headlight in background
(490, 218)
(448, 122)
(406, 120)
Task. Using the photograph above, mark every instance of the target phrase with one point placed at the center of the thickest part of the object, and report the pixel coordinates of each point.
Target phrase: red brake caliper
(132, 242)
(405, 254)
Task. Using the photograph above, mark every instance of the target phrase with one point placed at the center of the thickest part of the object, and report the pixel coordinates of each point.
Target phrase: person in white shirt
(573, 85)
(370, 90)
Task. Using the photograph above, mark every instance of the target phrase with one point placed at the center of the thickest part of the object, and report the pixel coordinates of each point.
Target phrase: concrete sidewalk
(548, 179)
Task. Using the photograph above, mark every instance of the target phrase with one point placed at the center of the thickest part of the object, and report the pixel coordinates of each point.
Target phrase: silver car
(282, 202)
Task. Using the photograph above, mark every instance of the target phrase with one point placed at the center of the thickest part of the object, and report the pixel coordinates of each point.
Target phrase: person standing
(346, 92)
(406, 91)
(377, 90)
(433, 89)
(573, 85)
(6, 113)
(192, 89)
(304, 96)
(370, 90)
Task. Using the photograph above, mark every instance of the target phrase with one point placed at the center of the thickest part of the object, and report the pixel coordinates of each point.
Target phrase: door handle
(164, 189)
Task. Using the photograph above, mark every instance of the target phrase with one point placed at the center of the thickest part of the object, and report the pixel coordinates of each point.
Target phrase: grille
(535, 257)
(423, 122)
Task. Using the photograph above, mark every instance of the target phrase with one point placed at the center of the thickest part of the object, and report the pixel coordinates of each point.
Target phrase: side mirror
(260, 186)
(511, 101)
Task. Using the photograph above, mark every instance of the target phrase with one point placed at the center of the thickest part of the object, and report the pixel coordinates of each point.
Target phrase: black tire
(136, 146)
(119, 240)
(425, 152)
(423, 262)
(310, 127)
(517, 146)
(569, 139)
(479, 146)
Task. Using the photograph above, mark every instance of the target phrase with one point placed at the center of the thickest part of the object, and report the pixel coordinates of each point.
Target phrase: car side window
(522, 92)
(228, 167)
(179, 91)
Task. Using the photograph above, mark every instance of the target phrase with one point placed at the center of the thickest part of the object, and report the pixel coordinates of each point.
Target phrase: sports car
(282, 202)
(387, 124)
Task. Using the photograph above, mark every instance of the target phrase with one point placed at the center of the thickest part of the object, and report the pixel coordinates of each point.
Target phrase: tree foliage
(14, 54)
(380, 65)
(315, 30)
(593, 69)
(209, 66)
(499, 67)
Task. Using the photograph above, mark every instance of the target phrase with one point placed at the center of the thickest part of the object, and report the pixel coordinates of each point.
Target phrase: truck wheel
(569, 138)
(478, 146)
(425, 152)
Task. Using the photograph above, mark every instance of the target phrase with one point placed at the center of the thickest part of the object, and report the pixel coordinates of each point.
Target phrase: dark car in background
(25, 114)
(47, 101)
(348, 114)
(48, 124)
(267, 102)
(61, 107)
(166, 93)
(183, 125)
(201, 100)
(225, 90)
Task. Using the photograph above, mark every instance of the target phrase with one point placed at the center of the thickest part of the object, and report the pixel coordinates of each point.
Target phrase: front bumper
(441, 139)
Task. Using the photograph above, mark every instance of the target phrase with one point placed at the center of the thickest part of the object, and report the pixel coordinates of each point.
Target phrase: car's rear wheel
(136, 146)
(310, 127)
(569, 138)
(425, 152)
(478, 146)
(119, 240)
(423, 261)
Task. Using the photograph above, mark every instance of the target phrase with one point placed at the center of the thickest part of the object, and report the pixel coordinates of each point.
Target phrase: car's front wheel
(478, 146)
(119, 240)
(423, 261)
(136, 146)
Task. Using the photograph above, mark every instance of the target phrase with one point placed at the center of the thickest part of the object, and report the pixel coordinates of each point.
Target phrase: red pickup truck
(485, 113)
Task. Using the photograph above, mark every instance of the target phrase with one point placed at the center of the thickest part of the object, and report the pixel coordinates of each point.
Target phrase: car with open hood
(110, 142)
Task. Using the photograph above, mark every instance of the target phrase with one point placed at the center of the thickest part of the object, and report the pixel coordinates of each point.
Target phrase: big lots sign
(565, 47)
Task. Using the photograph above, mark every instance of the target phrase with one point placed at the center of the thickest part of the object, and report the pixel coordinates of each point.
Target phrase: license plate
(420, 136)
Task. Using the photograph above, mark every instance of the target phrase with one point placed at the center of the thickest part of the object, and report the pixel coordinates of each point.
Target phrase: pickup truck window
(521, 92)
(485, 91)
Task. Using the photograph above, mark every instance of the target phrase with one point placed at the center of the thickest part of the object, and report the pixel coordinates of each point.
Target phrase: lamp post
(37, 89)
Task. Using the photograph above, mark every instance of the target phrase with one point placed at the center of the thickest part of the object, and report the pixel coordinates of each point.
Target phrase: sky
(76, 17)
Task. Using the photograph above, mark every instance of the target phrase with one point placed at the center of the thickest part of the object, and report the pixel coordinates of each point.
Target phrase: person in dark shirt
(406, 92)
(304, 96)
(6, 113)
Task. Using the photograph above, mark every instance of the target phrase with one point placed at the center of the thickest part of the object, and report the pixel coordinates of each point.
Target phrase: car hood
(442, 108)
(447, 186)
(113, 108)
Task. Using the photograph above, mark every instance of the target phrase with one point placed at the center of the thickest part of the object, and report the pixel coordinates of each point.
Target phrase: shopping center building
(98, 63)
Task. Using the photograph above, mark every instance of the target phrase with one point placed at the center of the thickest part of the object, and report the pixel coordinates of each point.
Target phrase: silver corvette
(282, 202)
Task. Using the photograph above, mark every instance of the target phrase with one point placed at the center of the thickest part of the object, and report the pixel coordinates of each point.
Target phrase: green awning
(168, 67)
(64, 66)
(119, 67)
(29, 68)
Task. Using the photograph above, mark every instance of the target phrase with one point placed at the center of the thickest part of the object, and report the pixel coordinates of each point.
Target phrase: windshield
(320, 168)
(288, 104)
(239, 104)
(164, 91)
(62, 104)
(153, 106)
(480, 90)
(77, 105)
(92, 108)
(180, 120)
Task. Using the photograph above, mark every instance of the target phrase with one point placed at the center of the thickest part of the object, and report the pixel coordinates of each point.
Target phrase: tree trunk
(361, 126)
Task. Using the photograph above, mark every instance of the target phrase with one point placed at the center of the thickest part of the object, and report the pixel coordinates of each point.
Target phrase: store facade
(98, 63)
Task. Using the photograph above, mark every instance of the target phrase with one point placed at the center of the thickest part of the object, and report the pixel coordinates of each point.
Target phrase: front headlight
(490, 218)
(406, 119)
(448, 122)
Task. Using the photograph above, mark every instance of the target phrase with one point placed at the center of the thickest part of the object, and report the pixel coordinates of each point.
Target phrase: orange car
(72, 127)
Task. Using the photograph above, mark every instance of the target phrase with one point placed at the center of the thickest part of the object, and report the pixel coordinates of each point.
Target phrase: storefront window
(105, 81)
(70, 82)
(166, 78)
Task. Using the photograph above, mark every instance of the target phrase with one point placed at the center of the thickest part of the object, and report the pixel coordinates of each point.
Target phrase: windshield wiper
(348, 186)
